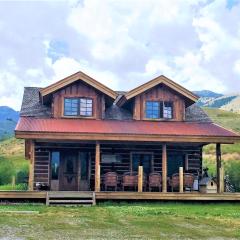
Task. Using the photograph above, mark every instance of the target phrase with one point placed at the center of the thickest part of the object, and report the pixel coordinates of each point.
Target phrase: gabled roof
(154, 82)
(75, 77)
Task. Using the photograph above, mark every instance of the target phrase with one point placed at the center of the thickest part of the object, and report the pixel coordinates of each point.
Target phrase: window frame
(58, 167)
(160, 111)
(78, 115)
(64, 106)
(79, 106)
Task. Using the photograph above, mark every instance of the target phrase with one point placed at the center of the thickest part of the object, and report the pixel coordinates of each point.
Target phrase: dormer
(78, 96)
(160, 99)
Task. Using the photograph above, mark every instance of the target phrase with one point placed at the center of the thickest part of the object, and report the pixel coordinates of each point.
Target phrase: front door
(74, 171)
(69, 171)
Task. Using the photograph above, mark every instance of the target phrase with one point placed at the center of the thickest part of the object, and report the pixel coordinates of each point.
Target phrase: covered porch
(117, 166)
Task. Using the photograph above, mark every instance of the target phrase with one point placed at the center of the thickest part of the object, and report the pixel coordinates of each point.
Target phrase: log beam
(97, 168)
(164, 168)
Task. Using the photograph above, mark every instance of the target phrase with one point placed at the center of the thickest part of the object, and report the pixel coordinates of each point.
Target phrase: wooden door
(69, 171)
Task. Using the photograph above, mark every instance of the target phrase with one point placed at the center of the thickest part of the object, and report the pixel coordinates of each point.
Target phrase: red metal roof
(81, 126)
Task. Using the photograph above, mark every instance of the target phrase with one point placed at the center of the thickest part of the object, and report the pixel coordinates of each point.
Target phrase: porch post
(221, 187)
(181, 179)
(140, 178)
(164, 168)
(219, 165)
(97, 168)
(31, 165)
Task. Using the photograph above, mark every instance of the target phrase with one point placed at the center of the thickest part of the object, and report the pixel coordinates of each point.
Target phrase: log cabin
(80, 135)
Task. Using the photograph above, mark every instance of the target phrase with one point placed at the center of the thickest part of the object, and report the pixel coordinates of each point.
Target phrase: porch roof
(89, 129)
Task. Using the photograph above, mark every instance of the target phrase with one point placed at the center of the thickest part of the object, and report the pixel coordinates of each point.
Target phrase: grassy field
(230, 152)
(123, 221)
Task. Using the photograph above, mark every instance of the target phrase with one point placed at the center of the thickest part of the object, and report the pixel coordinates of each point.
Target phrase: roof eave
(74, 77)
(154, 82)
(126, 137)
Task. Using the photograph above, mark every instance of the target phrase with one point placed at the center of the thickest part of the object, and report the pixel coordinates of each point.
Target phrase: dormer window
(86, 106)
(82, 107)
(158, 110)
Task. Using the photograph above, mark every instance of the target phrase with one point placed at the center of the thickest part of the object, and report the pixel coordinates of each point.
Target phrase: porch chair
(174, 182)
(110, 179)
(188, 180)
(155, 181)
(130, 180)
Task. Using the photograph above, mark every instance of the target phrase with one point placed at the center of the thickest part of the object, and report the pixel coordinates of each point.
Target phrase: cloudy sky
(121, 43)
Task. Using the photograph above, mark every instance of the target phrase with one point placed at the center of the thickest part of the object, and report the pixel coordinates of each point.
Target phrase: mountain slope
(216, 100)
(207, 93)
(8, 121)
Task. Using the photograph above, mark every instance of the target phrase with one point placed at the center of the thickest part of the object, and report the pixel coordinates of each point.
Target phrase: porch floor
(192, 196)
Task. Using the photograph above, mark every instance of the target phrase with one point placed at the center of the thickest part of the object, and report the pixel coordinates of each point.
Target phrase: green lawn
(122, 221)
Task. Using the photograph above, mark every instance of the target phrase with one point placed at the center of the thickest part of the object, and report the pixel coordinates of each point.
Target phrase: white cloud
(120, 43)
(236, 67)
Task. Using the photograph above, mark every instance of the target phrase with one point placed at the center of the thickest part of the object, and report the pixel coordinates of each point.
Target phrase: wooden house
(77, 131)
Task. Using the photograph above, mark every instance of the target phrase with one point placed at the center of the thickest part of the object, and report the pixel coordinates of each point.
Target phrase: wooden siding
(78, 89)
(159, 93)
(41, 166)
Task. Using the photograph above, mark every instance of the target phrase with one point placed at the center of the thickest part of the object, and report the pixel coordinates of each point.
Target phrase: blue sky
(121, 43)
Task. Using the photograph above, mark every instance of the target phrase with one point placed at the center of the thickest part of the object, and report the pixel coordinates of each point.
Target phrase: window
(84, 162)
(55, 160)
(142, 159)
(85, 107)
(70, 106)
(158, 109)
(167, 110)
(152, 109)
(78, 107)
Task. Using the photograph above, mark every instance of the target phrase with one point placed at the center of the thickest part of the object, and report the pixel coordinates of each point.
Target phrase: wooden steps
(70, 198)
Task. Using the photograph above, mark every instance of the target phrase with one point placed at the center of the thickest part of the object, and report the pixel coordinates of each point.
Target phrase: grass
(122, 221)
(230, 152)
(20, 186)
(226, 119)
(12, 161)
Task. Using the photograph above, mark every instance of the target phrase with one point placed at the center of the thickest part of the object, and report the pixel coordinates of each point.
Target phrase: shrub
(6, 171)
(233, 170)
(22, 174)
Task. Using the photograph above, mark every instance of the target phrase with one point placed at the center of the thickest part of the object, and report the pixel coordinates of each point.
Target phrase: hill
(8, 121)
(208, 94)
(230, 102)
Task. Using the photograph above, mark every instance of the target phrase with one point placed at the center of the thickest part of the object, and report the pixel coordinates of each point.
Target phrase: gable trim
(154, 82)
(78, 76)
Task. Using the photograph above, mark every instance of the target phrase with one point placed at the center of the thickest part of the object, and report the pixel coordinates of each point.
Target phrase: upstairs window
(167, 110)
(152, 109)
(78, 107)
(71, 106)
(85, 106)
(158, 110)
